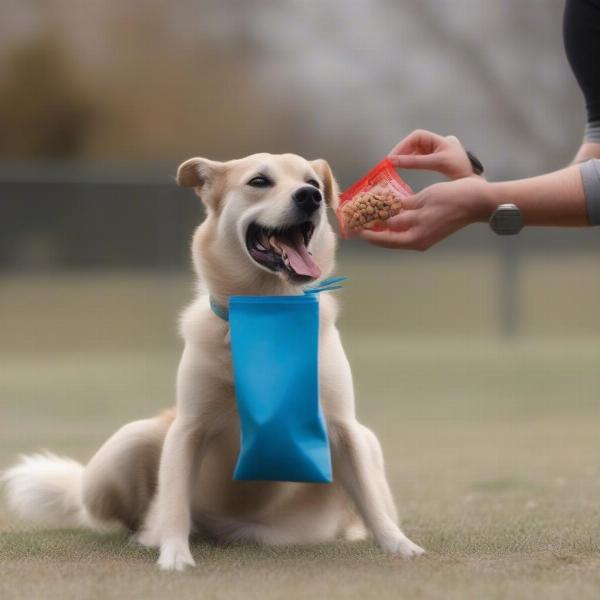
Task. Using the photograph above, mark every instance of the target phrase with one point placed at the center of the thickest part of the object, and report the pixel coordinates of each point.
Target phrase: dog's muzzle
(283, 249)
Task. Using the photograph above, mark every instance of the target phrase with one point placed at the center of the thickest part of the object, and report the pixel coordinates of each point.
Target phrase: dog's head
(266, 219)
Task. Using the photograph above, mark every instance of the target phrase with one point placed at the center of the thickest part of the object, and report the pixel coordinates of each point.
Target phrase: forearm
(556, 199)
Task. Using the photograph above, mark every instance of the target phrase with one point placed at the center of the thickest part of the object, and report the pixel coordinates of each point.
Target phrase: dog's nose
(307, 199)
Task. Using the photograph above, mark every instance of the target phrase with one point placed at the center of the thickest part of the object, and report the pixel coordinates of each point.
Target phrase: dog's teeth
(275, 246)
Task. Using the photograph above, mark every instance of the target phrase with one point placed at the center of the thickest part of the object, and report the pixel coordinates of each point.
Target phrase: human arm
(568, 197)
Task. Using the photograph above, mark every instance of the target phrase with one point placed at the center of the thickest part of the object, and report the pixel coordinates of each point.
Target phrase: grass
(491, 445)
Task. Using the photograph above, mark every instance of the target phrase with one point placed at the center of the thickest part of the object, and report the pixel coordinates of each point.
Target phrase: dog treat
(372, 200)
(371, 207)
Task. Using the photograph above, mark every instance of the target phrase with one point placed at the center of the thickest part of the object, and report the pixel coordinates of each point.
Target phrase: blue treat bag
(274, 348)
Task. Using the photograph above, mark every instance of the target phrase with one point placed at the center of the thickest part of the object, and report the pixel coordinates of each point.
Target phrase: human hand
(434, 213)
(426, 150)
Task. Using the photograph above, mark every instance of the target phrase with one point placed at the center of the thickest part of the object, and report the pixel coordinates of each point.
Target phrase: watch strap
(476, 164)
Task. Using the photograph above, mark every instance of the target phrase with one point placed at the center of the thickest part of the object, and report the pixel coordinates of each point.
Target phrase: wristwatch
(506, 220)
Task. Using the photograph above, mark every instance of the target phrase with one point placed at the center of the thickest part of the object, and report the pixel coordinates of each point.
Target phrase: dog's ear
(204, 176)
(331, 189)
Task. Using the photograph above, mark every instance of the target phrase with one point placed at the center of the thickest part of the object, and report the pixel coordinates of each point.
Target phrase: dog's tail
(45, 489)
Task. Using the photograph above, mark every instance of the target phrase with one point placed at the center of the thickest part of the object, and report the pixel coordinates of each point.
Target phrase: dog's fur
(167, 476)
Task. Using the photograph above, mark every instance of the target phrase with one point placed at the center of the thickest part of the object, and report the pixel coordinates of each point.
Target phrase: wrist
(484, 200)
(461, 173)
(461, 166)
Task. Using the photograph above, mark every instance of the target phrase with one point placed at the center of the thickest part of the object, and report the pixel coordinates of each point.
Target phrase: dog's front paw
(403, 547)
(175, 555)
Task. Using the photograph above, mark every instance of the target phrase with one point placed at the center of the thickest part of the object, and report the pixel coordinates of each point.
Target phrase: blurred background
(99, 103)
(476, 362)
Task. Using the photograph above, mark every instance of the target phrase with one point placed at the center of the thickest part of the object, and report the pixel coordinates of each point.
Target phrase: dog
(266, 232)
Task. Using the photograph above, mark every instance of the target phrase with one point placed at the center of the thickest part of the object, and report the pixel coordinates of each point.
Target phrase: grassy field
(492, 445)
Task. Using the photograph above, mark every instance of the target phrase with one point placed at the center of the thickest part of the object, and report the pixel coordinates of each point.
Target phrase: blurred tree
(344, 81)
(44, 112)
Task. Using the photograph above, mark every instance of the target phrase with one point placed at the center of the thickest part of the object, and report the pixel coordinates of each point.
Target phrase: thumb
(411, 202)
(404, 220)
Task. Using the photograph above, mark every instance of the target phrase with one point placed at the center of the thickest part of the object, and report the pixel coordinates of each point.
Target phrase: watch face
(506, 220)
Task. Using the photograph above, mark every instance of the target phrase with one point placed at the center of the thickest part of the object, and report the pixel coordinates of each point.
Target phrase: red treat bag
(372, 200)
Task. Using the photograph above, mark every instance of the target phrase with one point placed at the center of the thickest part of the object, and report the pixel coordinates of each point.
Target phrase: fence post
(509, 309)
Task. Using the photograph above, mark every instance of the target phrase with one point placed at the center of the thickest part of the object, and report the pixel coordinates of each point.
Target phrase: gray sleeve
(592, 133)
(590, 176)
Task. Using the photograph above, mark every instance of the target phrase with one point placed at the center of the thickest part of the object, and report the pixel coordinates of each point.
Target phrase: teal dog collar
(327, 285)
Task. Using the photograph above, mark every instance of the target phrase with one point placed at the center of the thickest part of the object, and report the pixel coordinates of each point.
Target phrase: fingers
(404, 220)
(419, 141)
(429, 151)
(402, 232)
(454, 140)
(410, 203)
(392, 239)
(430, 162)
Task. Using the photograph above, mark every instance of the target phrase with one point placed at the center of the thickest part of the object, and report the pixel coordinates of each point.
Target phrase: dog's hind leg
(353, 465)
(354, 530)
(120, 479)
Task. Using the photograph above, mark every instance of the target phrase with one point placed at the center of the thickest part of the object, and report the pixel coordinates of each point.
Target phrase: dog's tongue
(300, 260)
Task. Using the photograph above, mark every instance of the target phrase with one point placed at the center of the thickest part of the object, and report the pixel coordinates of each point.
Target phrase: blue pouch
(274, 347)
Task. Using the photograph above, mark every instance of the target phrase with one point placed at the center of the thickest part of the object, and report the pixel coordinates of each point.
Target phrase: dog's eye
(260, 181)
(314, 183)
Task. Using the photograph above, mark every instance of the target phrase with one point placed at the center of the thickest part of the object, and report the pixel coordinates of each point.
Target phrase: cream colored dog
(266, 232)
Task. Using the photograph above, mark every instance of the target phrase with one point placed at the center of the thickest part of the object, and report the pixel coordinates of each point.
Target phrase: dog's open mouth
(283, 249)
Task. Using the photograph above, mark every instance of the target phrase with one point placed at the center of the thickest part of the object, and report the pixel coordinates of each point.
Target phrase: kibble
(370, 207)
